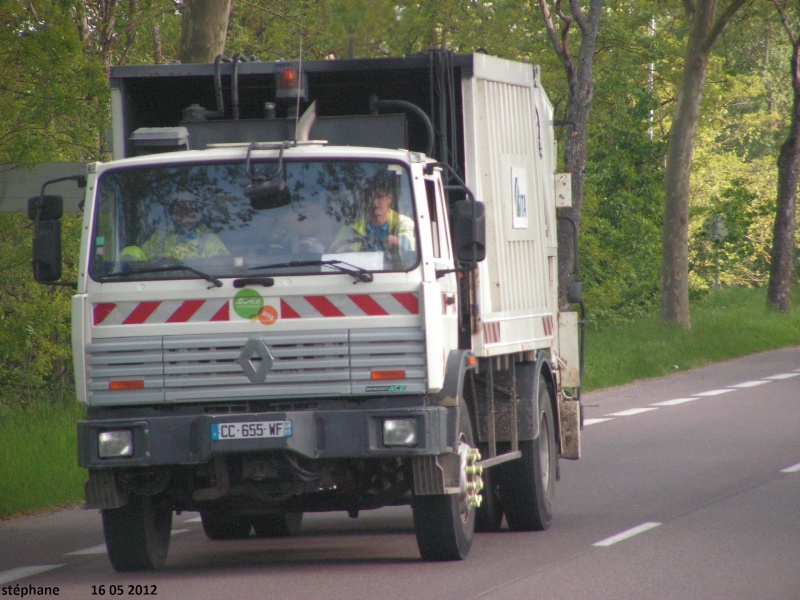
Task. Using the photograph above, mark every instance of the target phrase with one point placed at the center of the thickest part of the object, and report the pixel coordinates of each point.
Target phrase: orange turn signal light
(387, 375)
(134, 384)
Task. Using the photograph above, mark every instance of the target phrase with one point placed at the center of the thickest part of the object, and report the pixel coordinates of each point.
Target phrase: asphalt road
(689, 488)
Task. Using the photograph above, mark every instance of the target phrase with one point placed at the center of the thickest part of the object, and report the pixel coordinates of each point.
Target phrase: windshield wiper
(172, 267)
(354, 271)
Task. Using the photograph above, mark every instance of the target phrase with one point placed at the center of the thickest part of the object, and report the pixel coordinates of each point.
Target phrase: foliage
(51, 89)
(34, 320)
(621, 233)
(54, 105)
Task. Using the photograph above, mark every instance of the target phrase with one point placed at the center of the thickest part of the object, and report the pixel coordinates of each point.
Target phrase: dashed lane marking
(782, 376)
(20, 572)
(630, 412)
(749, 384)
(587, 422)
(101, 548)
(714, 392)
(674, 402)
(627, 534)
(792, 469)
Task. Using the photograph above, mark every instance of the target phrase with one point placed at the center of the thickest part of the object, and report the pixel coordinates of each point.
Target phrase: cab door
(441, 291)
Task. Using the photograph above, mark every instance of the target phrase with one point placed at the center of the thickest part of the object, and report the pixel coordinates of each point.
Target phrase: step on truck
(321, 286)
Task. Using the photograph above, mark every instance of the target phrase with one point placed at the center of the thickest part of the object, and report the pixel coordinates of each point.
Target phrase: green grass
(725, 324)
(38, 458)
(38, 463)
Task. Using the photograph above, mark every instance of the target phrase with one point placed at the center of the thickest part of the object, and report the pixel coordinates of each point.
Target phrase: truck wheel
(489, 517)
(224, 525)
(137, 535)
(527, 484)
(270, 526)
(445, 523)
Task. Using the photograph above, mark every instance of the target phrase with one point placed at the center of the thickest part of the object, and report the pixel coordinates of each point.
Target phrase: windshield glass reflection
(355, 212)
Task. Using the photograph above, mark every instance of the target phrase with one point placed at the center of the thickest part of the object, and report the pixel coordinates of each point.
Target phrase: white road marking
(21, 572)
(194, 520)
(782, 376)
(714, 392)
(749, 384)
(101, 548)
(792, 469)
(630, 412)
(587, 422)
(629, 533)
(674, 402)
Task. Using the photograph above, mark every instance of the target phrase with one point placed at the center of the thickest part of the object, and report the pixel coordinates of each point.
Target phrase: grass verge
(38, 458)
(725, 324)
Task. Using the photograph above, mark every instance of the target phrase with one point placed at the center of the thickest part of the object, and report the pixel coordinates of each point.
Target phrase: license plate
(254, 430)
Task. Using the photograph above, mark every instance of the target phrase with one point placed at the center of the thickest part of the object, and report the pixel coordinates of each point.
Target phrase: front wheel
(445, 523)
(527, 484)
(137, 535)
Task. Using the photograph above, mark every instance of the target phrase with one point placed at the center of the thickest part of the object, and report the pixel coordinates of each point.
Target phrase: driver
(383, 229)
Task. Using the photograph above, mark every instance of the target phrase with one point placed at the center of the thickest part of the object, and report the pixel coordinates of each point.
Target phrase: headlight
(399, 432)
(115, 444)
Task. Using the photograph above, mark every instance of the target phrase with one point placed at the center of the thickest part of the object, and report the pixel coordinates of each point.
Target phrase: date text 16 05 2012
(124, 590)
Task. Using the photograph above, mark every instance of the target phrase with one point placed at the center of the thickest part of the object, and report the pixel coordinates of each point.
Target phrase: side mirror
(46, 212)
(45, 208)
(469, 231)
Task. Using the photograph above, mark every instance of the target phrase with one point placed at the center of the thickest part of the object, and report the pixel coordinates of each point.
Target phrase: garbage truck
(321, 286)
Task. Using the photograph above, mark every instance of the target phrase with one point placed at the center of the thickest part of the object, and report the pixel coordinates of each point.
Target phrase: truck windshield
(197, 215)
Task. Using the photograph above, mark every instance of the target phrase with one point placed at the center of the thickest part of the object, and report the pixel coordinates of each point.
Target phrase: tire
(273, 526)
(444, 524)
(137, 535)
(527, 484)
(489, 517)
(224, 525)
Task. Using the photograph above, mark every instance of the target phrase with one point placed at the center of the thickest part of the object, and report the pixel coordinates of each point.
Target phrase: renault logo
(256, 360)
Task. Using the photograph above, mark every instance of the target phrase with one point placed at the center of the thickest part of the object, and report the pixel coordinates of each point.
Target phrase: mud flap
(569, 413)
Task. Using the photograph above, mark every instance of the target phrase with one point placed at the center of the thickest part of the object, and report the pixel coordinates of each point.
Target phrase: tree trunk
(675, 227)
(703, 32)
(579, 103)
(203, 30)
(780, 272)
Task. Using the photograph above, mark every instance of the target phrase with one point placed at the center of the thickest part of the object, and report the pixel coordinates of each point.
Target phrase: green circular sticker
(247, 303)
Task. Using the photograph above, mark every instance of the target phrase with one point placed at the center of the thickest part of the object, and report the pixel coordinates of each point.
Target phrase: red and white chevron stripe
(493, 332)
(292, 307)
(350, 305)
(166, 311)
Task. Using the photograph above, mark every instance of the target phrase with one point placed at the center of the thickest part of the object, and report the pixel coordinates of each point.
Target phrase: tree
(705, 26)
(579, 103)
(778, 291)
(204, 28)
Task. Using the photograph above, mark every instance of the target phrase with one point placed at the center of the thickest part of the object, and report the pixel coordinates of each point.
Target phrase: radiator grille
(215, 368)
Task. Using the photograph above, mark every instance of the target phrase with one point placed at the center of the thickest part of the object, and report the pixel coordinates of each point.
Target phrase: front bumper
(165, 440)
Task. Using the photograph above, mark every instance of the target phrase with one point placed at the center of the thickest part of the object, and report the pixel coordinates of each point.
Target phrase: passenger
(188, 239)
